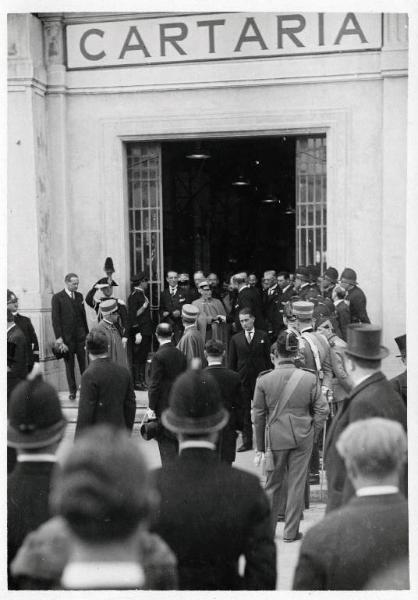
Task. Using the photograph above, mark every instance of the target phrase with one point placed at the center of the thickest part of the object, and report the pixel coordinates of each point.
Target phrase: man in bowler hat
(35, 428)
(355, 296)
(371, 396)
(69, 323)
(210, 514)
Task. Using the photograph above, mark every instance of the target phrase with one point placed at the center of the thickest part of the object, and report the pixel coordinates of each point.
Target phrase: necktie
(72, 296)
(249, 336)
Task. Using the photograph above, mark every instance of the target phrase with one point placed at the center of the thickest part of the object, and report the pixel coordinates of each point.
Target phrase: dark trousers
(314, 463)
(247, 426)
(139, 357)
(69, 360)
(168, 447)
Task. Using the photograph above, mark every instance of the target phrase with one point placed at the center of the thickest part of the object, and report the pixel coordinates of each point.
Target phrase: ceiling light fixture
(198, 152)
(240, 181)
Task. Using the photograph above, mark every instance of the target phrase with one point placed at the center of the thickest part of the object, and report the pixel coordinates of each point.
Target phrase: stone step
(70, 407)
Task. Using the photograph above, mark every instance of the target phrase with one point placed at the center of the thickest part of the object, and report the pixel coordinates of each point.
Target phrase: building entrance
(226, 205)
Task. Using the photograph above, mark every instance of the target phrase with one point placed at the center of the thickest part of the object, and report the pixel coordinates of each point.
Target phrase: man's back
(167, 364)
(351, 544)
(106, 396)
(192, 346)
(209, 515)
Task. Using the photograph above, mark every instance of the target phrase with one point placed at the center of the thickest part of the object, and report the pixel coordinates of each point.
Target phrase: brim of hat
(37, 439)
(210, 424)
(382, 353)
(189, 319)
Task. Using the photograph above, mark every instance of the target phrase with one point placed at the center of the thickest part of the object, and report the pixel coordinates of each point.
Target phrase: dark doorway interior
(211, 224)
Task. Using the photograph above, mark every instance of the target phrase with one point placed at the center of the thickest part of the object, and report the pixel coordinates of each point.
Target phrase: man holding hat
(399, 382)
(69, 323)
(106, 391)
(191, 342)
(140, 321)
(355, 296)
(116, 350)
(210, 514)
(371, 396)
(26, 327)
(35, 428)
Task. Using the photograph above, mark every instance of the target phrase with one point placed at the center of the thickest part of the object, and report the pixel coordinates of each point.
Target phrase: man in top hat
(140, 321)
(355, 296)
(249, 355)
(210, 514)
(289, 412)
(168, 362)
(36, 425)
(26, 327)
(368, 535)
(371, 396)
(314, 350)
(231, 391)
(191, 342)
(106, 391)
(172, 300)
(117, 351)
(69, 323)
(400, 381)
(302, 283)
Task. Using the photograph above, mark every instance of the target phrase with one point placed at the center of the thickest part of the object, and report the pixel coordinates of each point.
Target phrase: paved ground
(287, 553)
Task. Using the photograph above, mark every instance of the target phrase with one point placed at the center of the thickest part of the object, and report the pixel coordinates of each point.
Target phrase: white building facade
(82, 88)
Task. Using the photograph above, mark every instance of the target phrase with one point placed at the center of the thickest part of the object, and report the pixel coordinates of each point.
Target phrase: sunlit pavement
(287, 553)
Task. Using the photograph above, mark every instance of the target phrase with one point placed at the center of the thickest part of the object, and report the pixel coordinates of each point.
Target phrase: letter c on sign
(83, 39)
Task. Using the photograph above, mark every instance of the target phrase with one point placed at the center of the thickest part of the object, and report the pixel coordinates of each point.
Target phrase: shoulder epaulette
(264, 373)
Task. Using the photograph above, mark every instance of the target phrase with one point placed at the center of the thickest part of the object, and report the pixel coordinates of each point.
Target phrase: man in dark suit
(231, 393)
(272, 301)
(106, 393)
(371, 396)
(17, 361)
(303, 283)
(289, 412)
(26, 327)
(247, 297)
(166, 365)
(35, 428)
(368, 535)
(355, 296)
(249, 355)
(140, 321)
(70, 328)
(399, 382)
(210, 514)
(172, 300)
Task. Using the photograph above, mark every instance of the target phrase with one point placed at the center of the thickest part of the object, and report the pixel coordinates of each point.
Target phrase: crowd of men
(292, 366)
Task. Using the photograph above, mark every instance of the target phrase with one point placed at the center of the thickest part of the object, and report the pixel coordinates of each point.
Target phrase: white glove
(258, 458)
(151, 416)
(124, 341)
(138, 338)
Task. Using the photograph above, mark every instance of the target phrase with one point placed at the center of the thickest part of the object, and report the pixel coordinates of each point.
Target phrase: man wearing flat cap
(191, 342)
(35, 427)
(210, 513)
(116, 349)
(140, 322)
(371, 396)
(399, 382)
(355, 296)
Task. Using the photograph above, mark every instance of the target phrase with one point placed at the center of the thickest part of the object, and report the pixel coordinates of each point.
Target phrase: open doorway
(229, 204)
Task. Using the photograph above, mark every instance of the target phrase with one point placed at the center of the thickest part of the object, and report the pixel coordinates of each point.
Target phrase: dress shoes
(244, 448)
(299, 536)
(280, 519)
